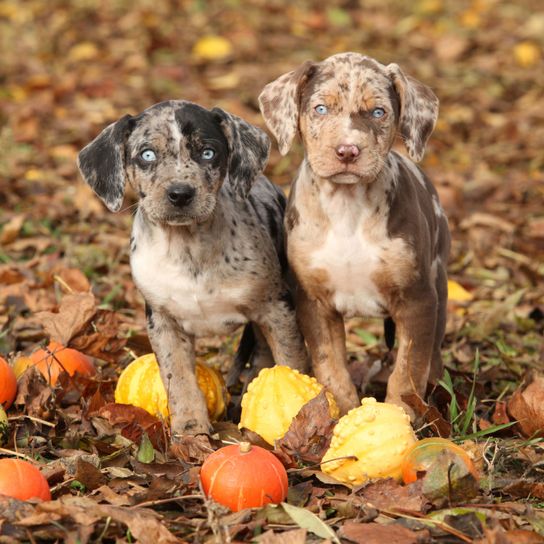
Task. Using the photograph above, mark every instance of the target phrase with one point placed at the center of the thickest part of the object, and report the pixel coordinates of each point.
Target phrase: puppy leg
(437, 368)
(176, 355)
(252, 356)
(416, 324)
(326, 337)
(278, 325)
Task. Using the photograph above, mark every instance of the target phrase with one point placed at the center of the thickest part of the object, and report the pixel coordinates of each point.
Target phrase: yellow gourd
(140, 384)
(275, 397)
(378, 434)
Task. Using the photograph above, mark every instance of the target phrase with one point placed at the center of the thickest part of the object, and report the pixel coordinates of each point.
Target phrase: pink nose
(347, 152)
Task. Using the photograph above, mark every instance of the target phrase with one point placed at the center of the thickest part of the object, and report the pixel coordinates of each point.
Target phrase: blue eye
(378, 113)
(321, 109)
(148, 155)
(208, 154)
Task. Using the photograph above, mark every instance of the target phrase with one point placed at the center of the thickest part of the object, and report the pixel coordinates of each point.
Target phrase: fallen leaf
(378, 533)
(308, 520)
(527, 406)
(144, 525)
(310, 432)
(212, 48)
(527, 54)
(295, 536)
(497, 535)
(88, 475)
(524, 489)
(133, 422)
(75, 311)
(457, 293)
(387, 494)
(428, 414)
(192, 449)
(83, 51)
(10, 231)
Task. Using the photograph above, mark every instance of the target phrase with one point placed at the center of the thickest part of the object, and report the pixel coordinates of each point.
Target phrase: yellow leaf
(83, 51)
(526, 54)
(64, 152)
(212, 48)
(457, 293)
(471, 18)
(33, 174)
(226, 81)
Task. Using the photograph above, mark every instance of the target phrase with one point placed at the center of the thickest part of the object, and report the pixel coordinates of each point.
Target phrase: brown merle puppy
(366, 235)
(207, 248)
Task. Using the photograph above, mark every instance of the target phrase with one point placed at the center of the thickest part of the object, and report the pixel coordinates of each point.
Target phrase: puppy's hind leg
(176, 356)
(252, 355)
(437, 367)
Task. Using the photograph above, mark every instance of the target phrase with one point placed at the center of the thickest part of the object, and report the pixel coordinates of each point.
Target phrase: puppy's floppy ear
(102, 163)
(418, 111)
(280, 104)
(248, 150)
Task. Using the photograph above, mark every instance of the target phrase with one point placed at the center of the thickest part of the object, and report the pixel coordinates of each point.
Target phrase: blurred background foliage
(68, 68)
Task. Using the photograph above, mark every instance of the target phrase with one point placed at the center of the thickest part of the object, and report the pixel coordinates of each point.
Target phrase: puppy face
(176, 155)
(348, 110)
(176, 159)
(348, 119)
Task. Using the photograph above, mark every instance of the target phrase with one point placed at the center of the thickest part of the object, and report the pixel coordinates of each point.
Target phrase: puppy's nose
(180, 194)
(347, 152)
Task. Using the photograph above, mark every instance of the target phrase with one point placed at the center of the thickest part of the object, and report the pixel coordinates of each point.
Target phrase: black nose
(180, 194)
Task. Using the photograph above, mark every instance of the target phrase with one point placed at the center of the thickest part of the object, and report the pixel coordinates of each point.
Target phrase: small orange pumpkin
(8, 384)
(53, 360)
(21, 480)
(244, 476)
(421, 456)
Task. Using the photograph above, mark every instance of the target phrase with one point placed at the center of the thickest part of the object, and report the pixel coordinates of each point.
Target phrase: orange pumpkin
(244, 476)
(21, 480)
(53, 360)
(424, 453)
(8, 384)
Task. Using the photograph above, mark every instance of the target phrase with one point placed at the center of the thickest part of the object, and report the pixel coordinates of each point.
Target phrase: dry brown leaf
(34, 394)
(310, 432)
(296, 536)
(524, 489)
(377, 533)
(428, 414)
(527, 406)
(101, 337)
(75, 311)
(133, 422)
(497, 535)
(387, 494)
(192, 449)
(74, 279)
(89, 475)
(144, 525)
(11, 229)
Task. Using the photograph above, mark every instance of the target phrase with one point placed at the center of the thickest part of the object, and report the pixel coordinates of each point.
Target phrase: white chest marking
(351, 257)
(350, 262)
(202, 305)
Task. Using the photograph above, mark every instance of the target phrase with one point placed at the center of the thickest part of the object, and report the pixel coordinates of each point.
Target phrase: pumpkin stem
(245, 447)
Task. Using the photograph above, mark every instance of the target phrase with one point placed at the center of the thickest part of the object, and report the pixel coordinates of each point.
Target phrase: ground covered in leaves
(68, 68)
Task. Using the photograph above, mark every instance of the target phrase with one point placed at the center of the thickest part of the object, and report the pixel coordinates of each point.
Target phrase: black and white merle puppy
(207, 249)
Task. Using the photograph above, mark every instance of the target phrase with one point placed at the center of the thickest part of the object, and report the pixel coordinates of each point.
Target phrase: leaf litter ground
(69, 68)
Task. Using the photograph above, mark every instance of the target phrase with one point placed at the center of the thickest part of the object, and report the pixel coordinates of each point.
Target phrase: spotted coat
(207, 244)
(366, 235)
